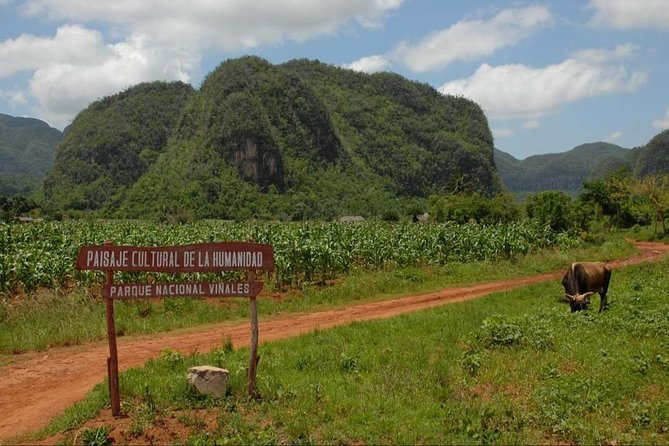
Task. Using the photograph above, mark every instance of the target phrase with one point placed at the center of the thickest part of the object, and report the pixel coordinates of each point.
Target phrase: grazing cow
(582, 280)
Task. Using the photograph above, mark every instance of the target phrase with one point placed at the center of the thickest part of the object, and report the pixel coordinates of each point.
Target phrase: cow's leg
(605, 287)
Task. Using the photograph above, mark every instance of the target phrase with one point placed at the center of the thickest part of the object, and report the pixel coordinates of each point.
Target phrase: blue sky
(550, 75)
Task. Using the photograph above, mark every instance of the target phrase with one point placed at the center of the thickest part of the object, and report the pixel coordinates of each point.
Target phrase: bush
(555, 209)
(474, 208)
(496, 332)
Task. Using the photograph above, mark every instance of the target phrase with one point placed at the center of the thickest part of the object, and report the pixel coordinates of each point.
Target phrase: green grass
(647, 233)
(49, 318)
(515, 367)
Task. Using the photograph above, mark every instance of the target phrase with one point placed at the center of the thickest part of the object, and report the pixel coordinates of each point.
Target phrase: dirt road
(36, 387)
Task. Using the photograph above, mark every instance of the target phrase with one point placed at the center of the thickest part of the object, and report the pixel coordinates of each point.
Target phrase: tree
(553, 208)
(654, 189)
(462, 208)
(614, 199)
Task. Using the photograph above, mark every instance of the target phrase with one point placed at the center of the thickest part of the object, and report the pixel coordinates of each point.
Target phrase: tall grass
(511, 368)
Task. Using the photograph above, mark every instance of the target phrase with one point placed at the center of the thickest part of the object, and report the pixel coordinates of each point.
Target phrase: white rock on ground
(209, 380)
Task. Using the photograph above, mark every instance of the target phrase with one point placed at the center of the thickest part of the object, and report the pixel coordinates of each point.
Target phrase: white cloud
(369, 64)
(627, 14)
(615, 136)
(662, 122)
(15, 98)
(227, 25)
(472, 39)
(156, 40)
(531, 124)
(508, 91)
(71, 43)
(621, 52)
(502, 133)
(76, 67)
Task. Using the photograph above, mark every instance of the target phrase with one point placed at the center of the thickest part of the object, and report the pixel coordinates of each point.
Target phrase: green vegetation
(625, 201)
(14, 206)
(26, 153)
(556, 210)
(511, 368)
(96, 436)
(462, 208)
(653, 158)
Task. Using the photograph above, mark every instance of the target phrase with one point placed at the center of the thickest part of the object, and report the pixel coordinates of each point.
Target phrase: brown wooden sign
(203, 257)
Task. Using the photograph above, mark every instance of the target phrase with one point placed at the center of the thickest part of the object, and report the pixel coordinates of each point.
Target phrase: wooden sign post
(203, 257)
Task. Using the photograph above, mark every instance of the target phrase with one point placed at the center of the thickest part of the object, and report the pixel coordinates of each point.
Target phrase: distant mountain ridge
(566, 171)
(27, 148)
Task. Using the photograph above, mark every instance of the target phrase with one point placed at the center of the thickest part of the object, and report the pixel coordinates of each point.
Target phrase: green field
(513, 367)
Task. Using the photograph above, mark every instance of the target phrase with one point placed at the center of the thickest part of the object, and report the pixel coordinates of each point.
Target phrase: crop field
(43, 255)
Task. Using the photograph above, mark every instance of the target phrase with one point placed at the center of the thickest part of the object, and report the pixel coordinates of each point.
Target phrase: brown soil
(36, 387)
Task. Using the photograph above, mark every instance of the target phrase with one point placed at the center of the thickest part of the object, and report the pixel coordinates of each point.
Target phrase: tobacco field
(43, 254)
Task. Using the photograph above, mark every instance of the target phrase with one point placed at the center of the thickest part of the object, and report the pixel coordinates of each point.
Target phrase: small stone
(209, 380)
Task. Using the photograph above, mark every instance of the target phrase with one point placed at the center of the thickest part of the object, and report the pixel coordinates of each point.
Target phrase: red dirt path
(36, 387)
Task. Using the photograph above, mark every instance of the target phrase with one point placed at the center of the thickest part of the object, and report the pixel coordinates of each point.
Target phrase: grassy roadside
(48, 318)
(510, 368)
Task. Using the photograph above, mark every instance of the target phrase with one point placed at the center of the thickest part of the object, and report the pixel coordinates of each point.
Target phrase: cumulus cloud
(626, 14)
(75, 67)
(662, 122)
(502, 133)
(531, 124)
(227, 25)
(615, 136)
(369, 64)
(71, 43)
(155, 40)
(508, 91)
(15, 98)
(472, 39)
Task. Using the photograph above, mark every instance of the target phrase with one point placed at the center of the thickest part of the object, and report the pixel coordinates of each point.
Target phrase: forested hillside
(112, 143)
(293, 141)
(26, 153)
(653, 158)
